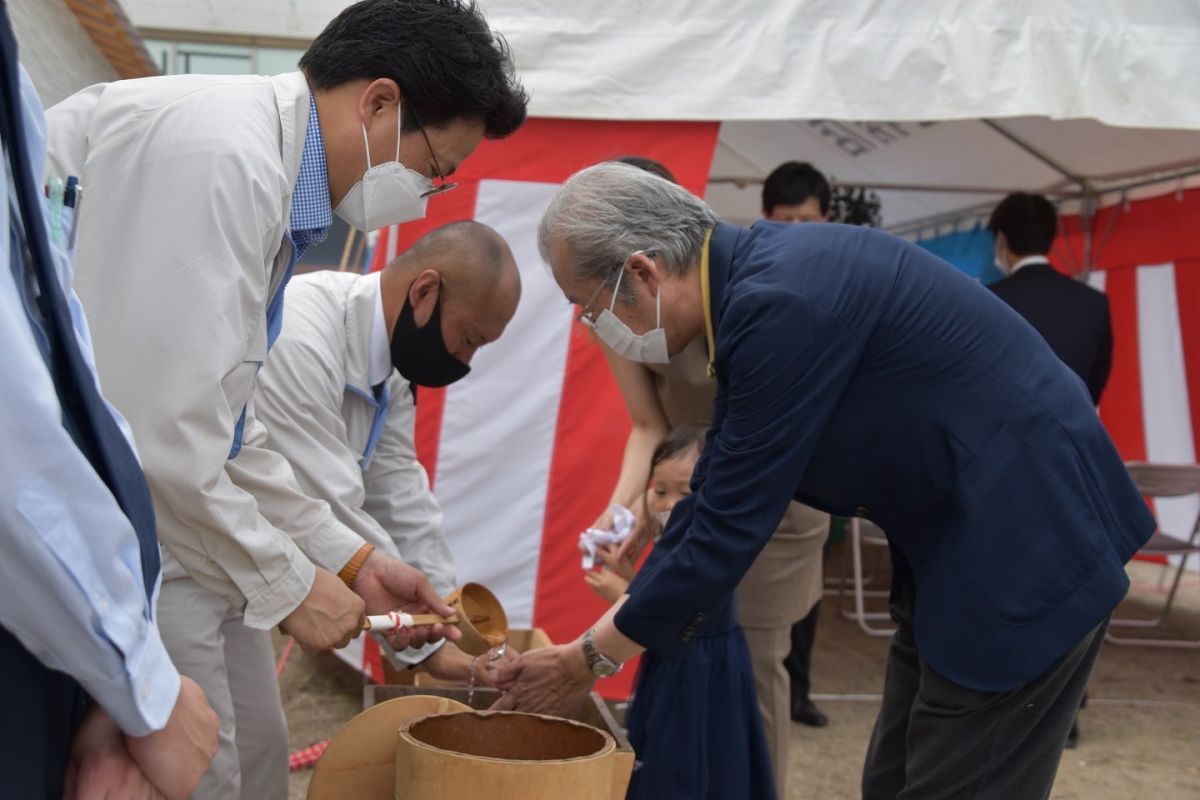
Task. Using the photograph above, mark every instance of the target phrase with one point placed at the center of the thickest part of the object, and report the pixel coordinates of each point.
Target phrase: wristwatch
(601, 665)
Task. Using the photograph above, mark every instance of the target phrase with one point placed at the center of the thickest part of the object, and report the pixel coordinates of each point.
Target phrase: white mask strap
(397, 131)
(367, 145)
(613, 303)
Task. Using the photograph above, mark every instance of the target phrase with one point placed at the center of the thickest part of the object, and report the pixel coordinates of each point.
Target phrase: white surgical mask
(647, 348)
(661, 517)
(387, 194)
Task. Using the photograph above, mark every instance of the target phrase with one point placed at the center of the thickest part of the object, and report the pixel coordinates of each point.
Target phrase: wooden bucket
(503, 754)
(360, 761)
(594, 711)
(475, 600)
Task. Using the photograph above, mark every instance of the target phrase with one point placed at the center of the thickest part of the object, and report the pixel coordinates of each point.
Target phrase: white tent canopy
(1124, 62)
(951, 170)
(1071, 96)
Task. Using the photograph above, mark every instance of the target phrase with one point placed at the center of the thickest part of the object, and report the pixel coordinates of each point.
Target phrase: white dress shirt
(379, 356)
(71, 573)
(1029, 261)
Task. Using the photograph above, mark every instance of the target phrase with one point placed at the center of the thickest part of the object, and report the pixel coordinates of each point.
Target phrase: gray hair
(607, 212)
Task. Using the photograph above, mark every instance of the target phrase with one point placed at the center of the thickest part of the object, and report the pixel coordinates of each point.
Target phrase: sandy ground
(1140, 734)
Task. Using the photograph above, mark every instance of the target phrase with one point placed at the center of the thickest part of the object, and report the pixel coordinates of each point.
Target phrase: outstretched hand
(550, 680)
(388, 584)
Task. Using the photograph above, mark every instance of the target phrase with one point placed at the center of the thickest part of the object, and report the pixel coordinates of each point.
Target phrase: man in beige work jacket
(338, 395)
(200, 193)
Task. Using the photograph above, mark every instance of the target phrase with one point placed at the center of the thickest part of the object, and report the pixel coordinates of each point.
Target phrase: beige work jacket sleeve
(266, 474)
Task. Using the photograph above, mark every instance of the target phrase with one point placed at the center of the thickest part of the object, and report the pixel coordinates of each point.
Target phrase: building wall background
(55, 49)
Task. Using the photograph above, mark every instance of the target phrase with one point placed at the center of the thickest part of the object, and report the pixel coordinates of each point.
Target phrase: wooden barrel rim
(609, 744)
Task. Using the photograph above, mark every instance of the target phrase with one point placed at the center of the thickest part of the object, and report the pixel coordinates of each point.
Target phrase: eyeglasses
(444, 185)
(584, 316)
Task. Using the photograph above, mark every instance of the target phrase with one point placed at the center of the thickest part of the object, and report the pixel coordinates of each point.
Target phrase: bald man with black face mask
(339, 393)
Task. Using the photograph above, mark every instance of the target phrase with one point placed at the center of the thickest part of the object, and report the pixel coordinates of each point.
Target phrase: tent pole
(1096, 192)
(1087, 220)
(1118, 210)
(1162, 177)
(742, 182)
(1035, 152)
(952, 217)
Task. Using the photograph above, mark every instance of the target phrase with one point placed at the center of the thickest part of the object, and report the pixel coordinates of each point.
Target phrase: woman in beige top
(785, 582)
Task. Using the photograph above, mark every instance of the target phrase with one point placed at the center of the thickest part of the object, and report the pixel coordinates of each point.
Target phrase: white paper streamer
(593, 538)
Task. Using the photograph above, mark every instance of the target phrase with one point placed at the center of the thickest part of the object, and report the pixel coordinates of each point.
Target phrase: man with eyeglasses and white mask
(201, 192)
(861, 375)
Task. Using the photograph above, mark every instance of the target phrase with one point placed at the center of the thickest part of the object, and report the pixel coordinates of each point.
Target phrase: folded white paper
(594, 538)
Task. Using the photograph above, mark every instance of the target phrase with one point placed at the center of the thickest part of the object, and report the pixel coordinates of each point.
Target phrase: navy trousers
(39, 712)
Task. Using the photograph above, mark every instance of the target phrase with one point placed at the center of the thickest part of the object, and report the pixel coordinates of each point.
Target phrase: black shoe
(1073, 736)
(805, 712)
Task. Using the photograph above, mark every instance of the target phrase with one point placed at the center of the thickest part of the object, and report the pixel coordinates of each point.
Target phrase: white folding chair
(1164, 480)
(863, 533)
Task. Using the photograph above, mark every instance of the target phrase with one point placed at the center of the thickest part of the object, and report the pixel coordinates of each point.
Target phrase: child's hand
(631, 549)
(606, 584)
(610, 556)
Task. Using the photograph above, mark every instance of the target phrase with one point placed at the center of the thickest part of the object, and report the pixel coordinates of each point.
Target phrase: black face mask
(420, 353)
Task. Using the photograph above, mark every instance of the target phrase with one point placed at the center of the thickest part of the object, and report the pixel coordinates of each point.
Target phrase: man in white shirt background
(339, 393)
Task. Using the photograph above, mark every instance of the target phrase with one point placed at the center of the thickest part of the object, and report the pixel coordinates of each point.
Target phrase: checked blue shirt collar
(312, 213)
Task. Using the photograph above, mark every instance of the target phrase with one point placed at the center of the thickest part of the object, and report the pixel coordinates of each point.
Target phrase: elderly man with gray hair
(861, 375)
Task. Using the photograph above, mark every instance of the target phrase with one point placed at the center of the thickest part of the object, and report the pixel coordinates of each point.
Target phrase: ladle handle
(395, 620)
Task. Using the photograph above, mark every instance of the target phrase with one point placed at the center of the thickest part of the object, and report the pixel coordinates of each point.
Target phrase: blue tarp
(971, 251)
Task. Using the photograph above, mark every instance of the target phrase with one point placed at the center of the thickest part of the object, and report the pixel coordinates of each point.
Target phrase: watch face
(605, 669)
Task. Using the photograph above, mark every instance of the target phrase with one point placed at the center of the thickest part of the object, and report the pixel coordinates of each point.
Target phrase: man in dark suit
(1071, 316)
(862, 375)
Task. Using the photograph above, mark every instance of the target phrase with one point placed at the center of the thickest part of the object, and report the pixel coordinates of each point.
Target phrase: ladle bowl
(475, 601)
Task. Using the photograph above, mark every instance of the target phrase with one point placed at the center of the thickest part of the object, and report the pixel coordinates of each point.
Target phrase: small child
(671, 469)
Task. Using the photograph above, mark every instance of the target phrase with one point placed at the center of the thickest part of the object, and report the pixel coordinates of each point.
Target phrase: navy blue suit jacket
(862, 375)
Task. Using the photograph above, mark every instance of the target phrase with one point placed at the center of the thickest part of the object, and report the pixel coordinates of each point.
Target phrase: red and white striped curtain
(1148, 263)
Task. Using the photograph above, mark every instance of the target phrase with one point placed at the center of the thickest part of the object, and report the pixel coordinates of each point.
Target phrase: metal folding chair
(862, 533)
(1164, 480)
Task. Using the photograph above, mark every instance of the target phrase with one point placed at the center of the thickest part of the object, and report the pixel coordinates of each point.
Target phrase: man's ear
(1002, 251)
(380, 96)
(423, 295)
(644, 268)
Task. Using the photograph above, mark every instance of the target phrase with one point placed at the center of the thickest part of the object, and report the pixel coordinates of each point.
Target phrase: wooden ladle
(395, 620)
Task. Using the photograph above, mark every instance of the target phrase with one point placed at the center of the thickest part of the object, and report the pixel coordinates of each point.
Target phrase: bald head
(467, 254)
(469, 269)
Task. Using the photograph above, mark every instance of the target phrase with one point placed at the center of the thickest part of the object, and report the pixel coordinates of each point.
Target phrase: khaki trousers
(235, 666)
(780, 588)
(768, 648)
